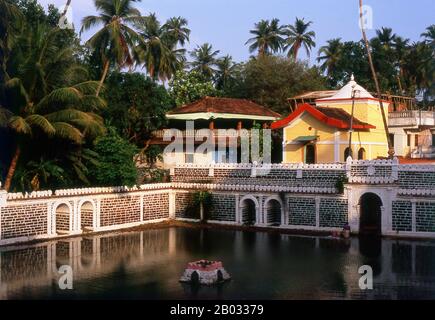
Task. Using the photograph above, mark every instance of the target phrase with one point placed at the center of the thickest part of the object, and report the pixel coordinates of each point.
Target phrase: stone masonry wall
(333, 212)
(122, 210)
(276, 177)
(156, 206)
(302, 211)
(224, 208)
(425, 216)
(402, 215)
(23, 220)
(185, 206)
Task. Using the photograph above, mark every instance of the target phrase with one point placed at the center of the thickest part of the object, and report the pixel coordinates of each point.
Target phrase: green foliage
(155, 175)
(187, 87)
(403, 68)
(136, 105)
(339, 184)
(271, 80)
(116, 161)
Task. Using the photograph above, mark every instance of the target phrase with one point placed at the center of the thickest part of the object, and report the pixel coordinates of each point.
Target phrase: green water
(148, 264)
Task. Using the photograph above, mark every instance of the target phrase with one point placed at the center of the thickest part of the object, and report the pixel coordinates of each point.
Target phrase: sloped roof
(214, 106)
(333, 117)
(346, 93)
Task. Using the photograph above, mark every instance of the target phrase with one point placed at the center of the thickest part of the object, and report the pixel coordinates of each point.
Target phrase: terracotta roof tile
(334, 117)
(225, 105)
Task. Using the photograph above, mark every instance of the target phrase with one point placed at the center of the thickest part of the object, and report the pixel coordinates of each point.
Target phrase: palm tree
(204, 60)
(158, 49)
(401, 49)
(225, 71)
(267, 37)
(298, 36)
(429, 35)
(330, 54)
(375, 79)
(53, 116)
(116, 39)
(10, 24)
(44, 95)
(386, 38)
(176, 31)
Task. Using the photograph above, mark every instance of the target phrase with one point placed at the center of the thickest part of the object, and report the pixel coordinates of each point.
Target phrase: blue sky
(226, 23)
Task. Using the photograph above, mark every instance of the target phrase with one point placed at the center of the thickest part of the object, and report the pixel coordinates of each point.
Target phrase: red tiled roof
(334, 117)
(225, 105)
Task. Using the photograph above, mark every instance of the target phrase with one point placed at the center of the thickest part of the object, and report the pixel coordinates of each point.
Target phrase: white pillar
(172, 204)
(237, 206)
(141, 207)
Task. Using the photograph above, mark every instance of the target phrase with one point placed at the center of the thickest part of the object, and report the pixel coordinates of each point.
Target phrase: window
(408, 143)
(361, 154)
(347, 153)
(433, 140)
(416, 140)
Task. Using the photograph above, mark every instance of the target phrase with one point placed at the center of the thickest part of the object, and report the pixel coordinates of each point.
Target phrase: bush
(116, 161)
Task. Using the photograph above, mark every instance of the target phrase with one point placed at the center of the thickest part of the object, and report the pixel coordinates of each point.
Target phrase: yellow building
(320, 133)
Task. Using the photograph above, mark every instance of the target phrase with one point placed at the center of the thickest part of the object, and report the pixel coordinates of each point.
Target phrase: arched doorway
(86, 216)
(63, 215)
(370, 222)
(273, 210)
(347, 153)
(310, 154)
(248, 211)
(361, 154)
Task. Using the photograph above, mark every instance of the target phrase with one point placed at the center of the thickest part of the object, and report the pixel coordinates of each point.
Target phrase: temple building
(319, 132)
(212, 113)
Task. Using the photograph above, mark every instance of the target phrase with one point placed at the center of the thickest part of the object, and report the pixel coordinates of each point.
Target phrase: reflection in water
(148, 264)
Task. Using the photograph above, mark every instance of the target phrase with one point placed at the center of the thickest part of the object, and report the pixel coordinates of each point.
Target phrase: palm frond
(42, 123)
(19, 125)
(66, 131)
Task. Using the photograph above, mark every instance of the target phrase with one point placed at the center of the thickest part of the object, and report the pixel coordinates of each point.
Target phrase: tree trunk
(12, 168)
(296, 51)
(375, 79)
(103, 77)
(65, 10)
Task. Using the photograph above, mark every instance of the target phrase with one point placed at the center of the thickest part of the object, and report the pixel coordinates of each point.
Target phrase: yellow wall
(331, 142)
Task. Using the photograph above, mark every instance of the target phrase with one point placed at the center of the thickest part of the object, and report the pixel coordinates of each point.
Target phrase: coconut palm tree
(204, 60)
(385, 37)
(330, 54)
(225, 71)
(298, 36)
(176, 31)
(429, 35)
(401, 49)
(116, 39)
(53, 115)
(375, 79)
(10, 24)
(158, 49)
(44, 94)
(267, 37)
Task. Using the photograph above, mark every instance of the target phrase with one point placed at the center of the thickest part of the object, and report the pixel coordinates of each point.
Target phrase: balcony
(411, 119)
(231, 133)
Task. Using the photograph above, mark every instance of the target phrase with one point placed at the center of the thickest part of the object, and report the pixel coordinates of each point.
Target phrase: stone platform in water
(205, 272)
